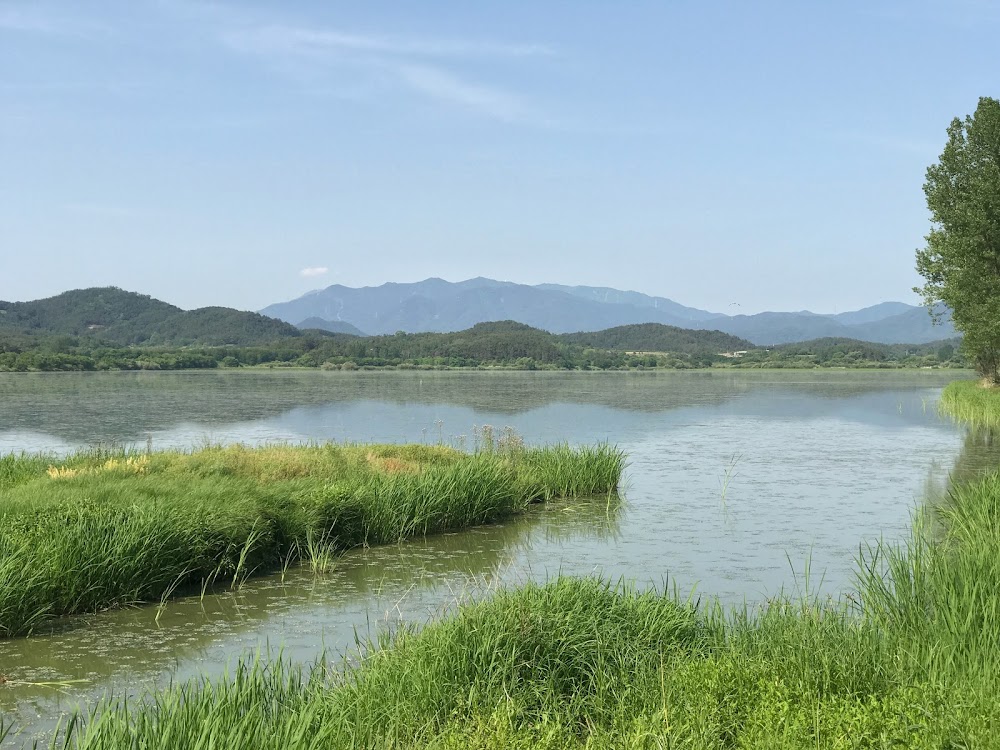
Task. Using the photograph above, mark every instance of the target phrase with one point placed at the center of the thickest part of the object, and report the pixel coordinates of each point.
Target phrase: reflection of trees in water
(118, 649)
(980, 453)
(92, 407)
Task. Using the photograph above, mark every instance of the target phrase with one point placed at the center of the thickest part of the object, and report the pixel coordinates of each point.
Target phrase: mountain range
(436, 305)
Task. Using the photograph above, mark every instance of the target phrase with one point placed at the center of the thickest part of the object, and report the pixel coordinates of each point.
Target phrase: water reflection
(59, 411)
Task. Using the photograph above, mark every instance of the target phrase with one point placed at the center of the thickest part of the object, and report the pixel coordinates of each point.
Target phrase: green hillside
(113, 316)
(841, 352)
(84, 312)
(656, 337)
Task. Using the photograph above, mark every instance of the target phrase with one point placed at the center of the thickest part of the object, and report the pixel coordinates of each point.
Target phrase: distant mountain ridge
(436, 305)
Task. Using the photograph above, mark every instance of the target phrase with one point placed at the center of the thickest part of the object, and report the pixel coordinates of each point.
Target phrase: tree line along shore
(504, 345)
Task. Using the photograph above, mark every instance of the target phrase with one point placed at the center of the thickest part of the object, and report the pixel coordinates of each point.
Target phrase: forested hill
(654, 337)
(114, 316)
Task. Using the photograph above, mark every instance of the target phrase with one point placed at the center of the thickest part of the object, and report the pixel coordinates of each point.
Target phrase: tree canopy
(961, 262)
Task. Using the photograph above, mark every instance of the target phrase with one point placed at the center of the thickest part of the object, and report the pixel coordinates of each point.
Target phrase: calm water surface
(738, 483)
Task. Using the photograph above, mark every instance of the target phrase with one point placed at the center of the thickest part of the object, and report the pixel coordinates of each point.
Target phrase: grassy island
(108, 528)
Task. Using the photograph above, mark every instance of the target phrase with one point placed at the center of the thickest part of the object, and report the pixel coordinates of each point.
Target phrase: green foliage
(839, 352)
(961, 262)
(84, 311)
(111, 316)
(579, 663)
(654, 337)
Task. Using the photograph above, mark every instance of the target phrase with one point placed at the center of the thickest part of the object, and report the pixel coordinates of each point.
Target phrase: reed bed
(110, 528)
(912, 661)
(575, 663)
(972, 403)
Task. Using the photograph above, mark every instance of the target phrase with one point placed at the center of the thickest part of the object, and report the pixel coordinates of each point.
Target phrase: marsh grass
(973, 403)
(571, 664)
(109, 528)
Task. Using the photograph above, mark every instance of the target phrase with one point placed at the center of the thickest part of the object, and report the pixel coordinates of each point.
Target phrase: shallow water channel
(740, 484)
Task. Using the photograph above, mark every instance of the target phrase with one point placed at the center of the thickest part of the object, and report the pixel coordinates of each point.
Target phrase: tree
(961, 263)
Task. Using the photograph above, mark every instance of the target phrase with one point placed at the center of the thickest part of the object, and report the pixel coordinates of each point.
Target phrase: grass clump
(972, 402)
(575, 663)
(105, 528)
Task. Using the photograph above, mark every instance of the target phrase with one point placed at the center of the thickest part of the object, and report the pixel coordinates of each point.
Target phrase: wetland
(739, 486)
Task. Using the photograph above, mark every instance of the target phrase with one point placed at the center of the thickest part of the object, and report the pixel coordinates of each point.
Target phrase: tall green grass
(968, 401)
(102, 529)
(574, 663)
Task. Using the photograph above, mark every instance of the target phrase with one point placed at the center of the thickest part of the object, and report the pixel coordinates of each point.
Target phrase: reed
(972, 403)
(110, 528)
(571, 664)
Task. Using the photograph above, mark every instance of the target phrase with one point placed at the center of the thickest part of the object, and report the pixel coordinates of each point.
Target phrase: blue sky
(769, 154)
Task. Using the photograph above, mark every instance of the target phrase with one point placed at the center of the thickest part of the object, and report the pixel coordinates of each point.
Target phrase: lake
(740, 485)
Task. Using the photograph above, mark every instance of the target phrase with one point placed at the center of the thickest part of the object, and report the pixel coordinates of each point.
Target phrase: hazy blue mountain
(333, 326)
(871, 314)
(914, 326)
(636, 299)
(910, 327)
(781, 327)
(439, 306)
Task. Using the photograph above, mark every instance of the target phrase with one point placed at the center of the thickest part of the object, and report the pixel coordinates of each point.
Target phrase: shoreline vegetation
(911, 661)
(106, 528)
(501, 345)
(973, 402)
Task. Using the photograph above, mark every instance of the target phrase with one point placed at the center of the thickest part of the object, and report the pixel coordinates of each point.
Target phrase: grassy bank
(580, 663)
(969, 401)
(102, 529)
(912, 661)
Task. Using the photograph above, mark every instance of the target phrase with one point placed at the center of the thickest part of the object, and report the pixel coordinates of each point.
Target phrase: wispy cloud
(435, 68)
(314, 271)
(313, 42)
(446, 86)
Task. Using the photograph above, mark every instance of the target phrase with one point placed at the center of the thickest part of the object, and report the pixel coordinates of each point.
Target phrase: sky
(733, 156)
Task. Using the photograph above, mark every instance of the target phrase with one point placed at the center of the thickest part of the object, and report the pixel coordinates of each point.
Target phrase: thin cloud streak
(420, 64)
(311, 42)
(445, 86)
